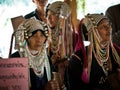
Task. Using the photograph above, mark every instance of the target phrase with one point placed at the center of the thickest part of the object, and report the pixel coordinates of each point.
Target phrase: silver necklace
(37, 62)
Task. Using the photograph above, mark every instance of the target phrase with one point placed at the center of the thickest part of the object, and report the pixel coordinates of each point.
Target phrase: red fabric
(80, 45)
(116, 47)
(75, 38)
(79, 39)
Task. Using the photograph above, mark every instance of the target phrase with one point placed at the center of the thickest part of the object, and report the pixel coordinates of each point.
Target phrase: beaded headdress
(92, 20)
(60, 8)
(31, 25)
(25, 31)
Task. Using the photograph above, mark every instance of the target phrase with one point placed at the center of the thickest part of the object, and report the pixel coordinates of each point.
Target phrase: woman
(58, 16)
(31, 38)
(91, 70)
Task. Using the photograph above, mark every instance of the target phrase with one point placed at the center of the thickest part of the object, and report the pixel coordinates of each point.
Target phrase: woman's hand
(52, 85)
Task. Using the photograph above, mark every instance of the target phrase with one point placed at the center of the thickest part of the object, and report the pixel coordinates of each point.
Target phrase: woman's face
(52, 19)
(104, 30)
(36, 41)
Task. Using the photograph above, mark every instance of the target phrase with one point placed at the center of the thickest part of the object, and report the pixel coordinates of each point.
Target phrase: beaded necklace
(102, 60)
(36, 61)
(101, 55)
(55, 33)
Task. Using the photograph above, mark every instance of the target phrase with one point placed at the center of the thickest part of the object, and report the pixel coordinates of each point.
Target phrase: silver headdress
(92, 20)
(25, 31)
(60, 8)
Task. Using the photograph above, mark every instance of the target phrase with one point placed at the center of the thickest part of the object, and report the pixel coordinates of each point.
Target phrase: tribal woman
(90, 67)
(31, 42)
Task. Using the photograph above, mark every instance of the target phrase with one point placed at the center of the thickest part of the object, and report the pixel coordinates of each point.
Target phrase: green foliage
(81, 5)
(12, 2)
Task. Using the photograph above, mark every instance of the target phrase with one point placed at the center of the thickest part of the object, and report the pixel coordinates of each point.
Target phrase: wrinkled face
(52, 19)
(40, 2)
(36, 41)
(104, 30)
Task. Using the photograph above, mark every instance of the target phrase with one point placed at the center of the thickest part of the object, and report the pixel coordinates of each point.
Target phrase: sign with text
(14, 74)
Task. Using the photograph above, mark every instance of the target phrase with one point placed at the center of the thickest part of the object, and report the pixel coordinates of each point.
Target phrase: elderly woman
(90, 67)
(31, 38)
